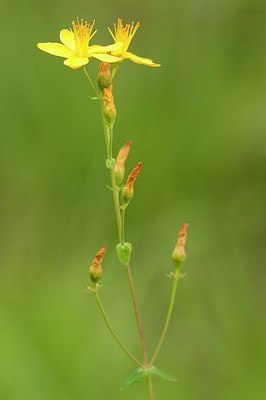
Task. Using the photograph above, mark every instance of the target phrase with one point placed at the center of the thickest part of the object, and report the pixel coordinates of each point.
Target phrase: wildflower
(121, 158)
(96, 271)
(128, 190)
(179, 254)
(125, 34)
(75, 46)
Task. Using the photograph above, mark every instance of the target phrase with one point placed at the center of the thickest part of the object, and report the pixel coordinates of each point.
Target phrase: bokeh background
(198, 124)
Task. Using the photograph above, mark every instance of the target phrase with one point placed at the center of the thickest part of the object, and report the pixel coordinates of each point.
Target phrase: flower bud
(128, 190)
(179, 254)
(124, 252)
(96, 271)
(104, 76)
(109, 106)
(121, 158)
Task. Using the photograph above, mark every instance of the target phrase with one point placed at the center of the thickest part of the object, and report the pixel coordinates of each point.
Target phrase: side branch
(168, 318)
(121, 345)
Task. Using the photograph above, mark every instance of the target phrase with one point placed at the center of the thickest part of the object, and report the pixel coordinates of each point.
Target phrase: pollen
(82, 34)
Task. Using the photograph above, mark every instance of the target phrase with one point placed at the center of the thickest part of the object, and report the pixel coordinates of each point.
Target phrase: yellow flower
(125, 34)
(75, 46)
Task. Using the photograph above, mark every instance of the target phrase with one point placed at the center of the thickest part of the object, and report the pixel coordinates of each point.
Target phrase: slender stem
(110, 141)
(116, 203)
(123, 347)
(150, 388)
(167, 321)
(120, 227)
(137, 314)
(123, 213)
(108, 134)
(91, 82)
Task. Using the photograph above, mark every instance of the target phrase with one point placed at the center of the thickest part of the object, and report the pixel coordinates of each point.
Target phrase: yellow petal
(141, 60)
(104, 49)
(106, 58)
(76, 62)
(113, 47)
(67, 38)
(56, 49)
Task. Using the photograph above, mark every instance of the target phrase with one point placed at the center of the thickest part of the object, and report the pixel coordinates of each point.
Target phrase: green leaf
(137, 376)
(157, 372)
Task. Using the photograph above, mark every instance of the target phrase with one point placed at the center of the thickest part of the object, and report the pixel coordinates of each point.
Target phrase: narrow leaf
(137, 376)
(157, 372)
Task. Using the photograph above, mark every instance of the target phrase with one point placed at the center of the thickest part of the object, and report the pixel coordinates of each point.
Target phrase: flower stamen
(82, 35)
(124, 34)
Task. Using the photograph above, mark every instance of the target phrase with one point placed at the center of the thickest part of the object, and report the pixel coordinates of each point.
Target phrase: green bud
(96, 274)
(178, 258)
(124, 252)
(110, 163)
(126, 195)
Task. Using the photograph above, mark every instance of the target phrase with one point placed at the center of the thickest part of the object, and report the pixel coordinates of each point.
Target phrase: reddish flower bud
(120, 161)
(109, 106)
(128, 190)
(104, 75)
(96, 271)
(179, 254)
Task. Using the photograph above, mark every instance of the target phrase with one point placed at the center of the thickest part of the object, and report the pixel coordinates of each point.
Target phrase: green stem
(108, 134)
(168, 318)
(150, 388)
(122, 346)
(123, 213)
(91, 82)
(116, 203)
(137, 315)
(109, 143)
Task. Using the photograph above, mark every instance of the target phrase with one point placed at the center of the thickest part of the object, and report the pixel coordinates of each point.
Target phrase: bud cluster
(105, 81)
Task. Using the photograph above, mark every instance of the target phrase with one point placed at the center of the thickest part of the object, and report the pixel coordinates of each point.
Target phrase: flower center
(82, 34)
(124, 34)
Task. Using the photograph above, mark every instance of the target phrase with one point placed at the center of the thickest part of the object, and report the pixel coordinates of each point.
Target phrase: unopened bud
(179, 254)
(124, 252)
(121, 158)
(109, 106)
(96, 271)
(104, 76)
(128, 190)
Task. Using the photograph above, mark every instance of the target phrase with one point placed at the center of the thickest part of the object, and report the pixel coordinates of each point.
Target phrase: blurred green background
(198, 124)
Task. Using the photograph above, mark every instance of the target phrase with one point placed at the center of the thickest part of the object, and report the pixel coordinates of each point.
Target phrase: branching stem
(167, 320)
(118, 341)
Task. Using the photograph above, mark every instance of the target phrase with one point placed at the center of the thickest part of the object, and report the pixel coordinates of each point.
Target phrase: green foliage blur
(198, 124)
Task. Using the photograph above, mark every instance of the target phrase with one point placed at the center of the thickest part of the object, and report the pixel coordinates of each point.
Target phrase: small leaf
(93, 98)
(137, 376)
(157, 372)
